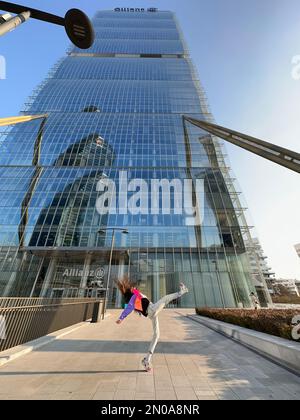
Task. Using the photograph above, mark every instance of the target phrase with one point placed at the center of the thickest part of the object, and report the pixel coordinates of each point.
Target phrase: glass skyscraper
(113, 109)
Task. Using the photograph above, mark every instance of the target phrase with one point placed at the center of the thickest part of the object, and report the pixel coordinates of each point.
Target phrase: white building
(297, 283)
(292, 285)
(258, 260)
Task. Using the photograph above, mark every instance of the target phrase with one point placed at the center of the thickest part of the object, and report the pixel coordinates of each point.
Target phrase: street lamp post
(13, 22)
(77, 25)
(101, 232)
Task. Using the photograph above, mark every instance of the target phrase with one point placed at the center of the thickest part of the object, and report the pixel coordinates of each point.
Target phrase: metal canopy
(269, 151)
(19, 120)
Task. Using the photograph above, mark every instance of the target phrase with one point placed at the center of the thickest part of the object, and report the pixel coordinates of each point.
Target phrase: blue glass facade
(118, 107)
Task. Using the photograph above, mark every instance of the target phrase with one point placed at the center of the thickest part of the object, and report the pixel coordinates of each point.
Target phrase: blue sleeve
(130, 308)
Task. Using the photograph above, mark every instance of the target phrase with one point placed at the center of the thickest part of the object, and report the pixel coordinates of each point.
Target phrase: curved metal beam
(277, 154)
(18, 120)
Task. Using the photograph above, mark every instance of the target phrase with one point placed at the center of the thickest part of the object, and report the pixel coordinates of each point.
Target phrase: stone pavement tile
(180, 381)
(189, 368)
(292, 389)
(203, 387)
(281, 393)
(166, 394)
(202, 365)
(199, 359)
(253, 394)
(145, 383)
(37, 397)
(208, 372)
(255, 372)
(273, 380)
(109, 386)
(55, 379)
(104, 395)
(95, 360)
(226, 395)
(124, 395)
(109, 377)
(196, 373)
(163, 384)
(48, 388)
(220, 388)
(134, 361)
(159, 360)
(172, 360)
(285, 377)
(253, 383)
(271, 395)
(127, 383)
(198, 382)
(90, 382)
(206, 395)
(205, 392)
(71, 385)
(249, 382)
(238, 382)
(61, 396)
(145, 396)
(19, 391)
(82, 396)
(214, 382)
(30, 385)
(161, 372)
(186, 394)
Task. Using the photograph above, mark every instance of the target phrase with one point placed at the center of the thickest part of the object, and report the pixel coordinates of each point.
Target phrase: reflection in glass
(119, 107)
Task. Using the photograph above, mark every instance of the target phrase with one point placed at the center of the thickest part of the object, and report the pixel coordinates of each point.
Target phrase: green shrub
(270, 321)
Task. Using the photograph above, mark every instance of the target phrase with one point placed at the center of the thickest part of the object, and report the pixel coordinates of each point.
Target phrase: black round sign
(79, 29)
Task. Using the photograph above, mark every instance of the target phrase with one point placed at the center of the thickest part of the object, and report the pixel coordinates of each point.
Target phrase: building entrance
(84, 275)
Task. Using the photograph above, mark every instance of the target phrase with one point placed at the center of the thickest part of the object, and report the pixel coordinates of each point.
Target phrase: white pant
(153, 311)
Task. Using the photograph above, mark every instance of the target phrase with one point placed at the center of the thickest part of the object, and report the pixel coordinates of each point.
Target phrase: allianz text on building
(116, 109)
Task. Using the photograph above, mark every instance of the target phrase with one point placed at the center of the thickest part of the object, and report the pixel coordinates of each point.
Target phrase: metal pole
(14, 22)
(35, 13)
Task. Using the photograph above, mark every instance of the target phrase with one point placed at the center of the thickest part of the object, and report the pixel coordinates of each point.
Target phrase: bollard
(98, 313)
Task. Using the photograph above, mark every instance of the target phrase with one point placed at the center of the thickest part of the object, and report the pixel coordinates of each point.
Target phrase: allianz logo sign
(99, 273)
(131, 9)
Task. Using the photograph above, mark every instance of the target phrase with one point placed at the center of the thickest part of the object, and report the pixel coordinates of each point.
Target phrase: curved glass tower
(115, 113)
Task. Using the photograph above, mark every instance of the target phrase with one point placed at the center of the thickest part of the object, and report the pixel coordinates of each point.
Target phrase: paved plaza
(102, 362)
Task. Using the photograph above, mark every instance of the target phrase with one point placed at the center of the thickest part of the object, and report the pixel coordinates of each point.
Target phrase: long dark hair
(125, 285)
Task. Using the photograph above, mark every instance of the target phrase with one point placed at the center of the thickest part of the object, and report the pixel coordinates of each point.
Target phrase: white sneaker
(183, 289)
(146, 365)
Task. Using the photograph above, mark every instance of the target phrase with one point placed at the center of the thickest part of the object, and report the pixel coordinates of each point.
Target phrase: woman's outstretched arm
(127, 311)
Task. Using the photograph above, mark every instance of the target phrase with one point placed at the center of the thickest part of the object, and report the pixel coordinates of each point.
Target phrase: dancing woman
(137, 302)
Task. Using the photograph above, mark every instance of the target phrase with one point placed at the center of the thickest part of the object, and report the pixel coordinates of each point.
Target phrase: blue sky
(243, 51)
